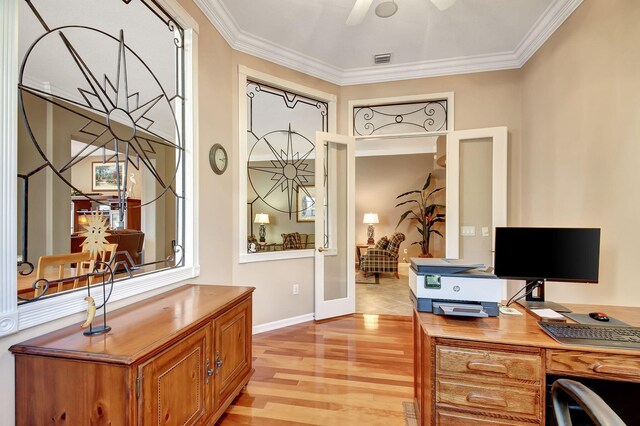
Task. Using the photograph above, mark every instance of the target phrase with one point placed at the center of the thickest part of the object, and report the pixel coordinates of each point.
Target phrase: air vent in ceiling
(382, 58)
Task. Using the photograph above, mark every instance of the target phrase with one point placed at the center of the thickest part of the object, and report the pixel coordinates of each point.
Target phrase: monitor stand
(535, 298)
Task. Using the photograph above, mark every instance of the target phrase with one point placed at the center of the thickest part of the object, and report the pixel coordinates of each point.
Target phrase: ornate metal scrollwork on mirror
(100, 141)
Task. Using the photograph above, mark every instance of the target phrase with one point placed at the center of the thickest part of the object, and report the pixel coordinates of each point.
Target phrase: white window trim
(244, 74)
(14, 317)
(358, 103)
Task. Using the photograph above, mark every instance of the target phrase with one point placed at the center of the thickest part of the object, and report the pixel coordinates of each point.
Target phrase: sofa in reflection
(129, 241)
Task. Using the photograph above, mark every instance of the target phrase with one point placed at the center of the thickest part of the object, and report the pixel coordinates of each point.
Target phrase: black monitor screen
(555, 254)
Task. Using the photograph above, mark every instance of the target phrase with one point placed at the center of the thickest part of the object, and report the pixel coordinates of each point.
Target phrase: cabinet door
(173, 383)
(232, 350)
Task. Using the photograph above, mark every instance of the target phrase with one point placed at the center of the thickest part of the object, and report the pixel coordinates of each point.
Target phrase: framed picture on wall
(104, 177)
(306, 203)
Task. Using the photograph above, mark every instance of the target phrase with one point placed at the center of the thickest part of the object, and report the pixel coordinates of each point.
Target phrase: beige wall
(379, 180)
(581, 142)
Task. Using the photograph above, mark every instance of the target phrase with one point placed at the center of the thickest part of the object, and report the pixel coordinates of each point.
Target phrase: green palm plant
(424, 212)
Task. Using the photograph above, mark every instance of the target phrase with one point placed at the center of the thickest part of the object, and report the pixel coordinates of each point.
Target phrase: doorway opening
(381, 277)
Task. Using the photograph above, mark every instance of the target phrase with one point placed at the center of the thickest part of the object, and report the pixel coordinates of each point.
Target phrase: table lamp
(370, 218)
(262, 218)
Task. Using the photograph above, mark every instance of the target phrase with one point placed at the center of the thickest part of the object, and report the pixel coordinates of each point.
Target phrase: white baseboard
(257, 329)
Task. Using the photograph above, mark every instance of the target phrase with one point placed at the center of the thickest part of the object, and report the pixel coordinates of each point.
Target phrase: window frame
(244, 74)
(14, 317)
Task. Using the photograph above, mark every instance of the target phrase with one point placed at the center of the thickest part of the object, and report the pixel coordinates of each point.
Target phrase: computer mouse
(599, 316)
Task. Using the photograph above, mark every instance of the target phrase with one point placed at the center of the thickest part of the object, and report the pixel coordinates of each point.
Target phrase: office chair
(564, 390)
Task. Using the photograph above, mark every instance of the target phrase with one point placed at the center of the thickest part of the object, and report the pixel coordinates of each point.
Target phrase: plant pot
(425, 255)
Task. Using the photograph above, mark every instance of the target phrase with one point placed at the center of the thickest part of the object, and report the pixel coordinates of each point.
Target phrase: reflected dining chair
(106, 255)
(84, 264)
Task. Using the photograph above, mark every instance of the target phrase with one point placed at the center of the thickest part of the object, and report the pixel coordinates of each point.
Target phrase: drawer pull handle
(599, 367)
(478, 398)
(483, 366)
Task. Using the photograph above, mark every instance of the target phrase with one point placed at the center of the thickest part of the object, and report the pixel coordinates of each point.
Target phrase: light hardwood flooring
(353, 370)
(390, 296)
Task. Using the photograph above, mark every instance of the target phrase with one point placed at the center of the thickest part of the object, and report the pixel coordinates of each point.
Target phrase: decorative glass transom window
(422, 117)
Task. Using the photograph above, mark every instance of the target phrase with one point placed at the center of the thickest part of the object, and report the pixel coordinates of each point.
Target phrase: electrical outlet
(296, 289)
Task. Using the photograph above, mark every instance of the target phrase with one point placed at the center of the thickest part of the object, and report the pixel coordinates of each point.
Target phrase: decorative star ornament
(95, 234)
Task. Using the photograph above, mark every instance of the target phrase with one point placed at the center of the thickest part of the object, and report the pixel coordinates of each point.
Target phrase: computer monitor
(540, 254)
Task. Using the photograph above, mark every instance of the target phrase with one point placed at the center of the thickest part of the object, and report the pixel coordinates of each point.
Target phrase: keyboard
(593, 335)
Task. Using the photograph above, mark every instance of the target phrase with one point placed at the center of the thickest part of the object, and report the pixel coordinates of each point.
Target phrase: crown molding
(545, 26)
(557, 12)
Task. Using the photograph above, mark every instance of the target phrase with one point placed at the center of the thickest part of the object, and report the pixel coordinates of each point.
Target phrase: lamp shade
(261, 218)
(370, 218)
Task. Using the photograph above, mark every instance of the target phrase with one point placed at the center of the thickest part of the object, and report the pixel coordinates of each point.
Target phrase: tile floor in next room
(390, 296)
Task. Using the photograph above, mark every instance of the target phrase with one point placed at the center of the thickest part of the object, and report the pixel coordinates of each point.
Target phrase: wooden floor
(354, 370)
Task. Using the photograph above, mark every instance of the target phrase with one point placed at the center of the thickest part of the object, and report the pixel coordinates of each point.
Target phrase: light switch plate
(468, 231)
(485, 231)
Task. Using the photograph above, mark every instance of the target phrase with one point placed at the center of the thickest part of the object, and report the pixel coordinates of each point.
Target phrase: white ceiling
(311, 35)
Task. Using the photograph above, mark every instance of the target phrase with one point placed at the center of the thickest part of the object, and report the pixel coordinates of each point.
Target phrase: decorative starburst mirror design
(117, 118)
(279, 180)
(281, 154)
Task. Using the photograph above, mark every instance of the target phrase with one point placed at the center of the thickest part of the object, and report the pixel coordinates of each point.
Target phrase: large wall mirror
(281, 185)
(101, 149)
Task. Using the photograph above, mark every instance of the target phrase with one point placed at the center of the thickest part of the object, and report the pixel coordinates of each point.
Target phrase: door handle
(321, 249)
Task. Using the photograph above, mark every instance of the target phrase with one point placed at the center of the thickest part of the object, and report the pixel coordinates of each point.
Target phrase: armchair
(383, 259)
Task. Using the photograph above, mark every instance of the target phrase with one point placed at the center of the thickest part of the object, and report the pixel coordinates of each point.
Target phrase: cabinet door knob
(209, 370)
(218, 362)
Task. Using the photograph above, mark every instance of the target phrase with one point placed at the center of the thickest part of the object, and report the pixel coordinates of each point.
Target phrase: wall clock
(218, 159)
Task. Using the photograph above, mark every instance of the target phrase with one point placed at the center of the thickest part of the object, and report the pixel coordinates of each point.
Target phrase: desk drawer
(521, 400)
(593, 364)
(488, 363)
(450, 418)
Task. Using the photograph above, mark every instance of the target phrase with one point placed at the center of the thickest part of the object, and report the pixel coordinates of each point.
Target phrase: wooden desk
(492, 371)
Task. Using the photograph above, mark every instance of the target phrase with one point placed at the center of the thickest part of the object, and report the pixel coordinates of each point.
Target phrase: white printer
(453, 287)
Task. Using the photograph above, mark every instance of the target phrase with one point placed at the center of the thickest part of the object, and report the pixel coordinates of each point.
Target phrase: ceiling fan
(385, 9)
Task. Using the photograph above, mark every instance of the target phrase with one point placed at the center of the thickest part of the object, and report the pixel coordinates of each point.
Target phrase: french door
(334, 226)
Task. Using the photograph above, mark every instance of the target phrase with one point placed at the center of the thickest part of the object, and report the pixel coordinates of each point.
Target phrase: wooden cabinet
(179, 358)
(173, 383)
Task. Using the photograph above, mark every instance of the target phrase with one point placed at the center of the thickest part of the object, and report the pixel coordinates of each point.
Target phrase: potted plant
(426, 213)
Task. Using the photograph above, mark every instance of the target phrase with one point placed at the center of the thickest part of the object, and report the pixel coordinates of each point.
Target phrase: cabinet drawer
(518, 400)
(598, 365)
(488, 363)
(450, 418)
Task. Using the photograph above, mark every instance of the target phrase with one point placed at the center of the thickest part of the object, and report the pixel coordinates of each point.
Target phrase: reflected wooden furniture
(82, 206)
(177, 358)
(492, 371)
(63, 262)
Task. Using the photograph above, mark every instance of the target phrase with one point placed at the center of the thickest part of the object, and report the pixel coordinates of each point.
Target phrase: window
(279, 121)
(92, 82)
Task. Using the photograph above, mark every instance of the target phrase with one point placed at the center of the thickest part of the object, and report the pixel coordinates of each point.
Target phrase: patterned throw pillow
(382, 243)
(394, 243)
(291, 241)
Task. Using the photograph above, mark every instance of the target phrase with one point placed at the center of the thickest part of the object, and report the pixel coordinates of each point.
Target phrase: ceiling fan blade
(443, 4)
(358, 12)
